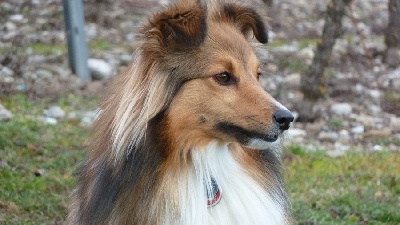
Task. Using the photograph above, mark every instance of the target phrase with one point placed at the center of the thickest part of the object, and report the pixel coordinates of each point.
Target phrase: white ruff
(244, 202)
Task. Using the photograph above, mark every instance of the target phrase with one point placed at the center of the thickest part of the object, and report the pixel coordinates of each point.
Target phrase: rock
(44, 74)
(375, 109)
(10, 26)
(365, 120)
(36, 59)
(88, 118)
(378, 133)
(273, 68)
(375, 94)
(130, 37)
(126, 59)
(359, 88)
(306, 54)
(296, 133)
(16, 18)
(293, 79)
(4, 113)
(395, 123)
(377, 148)
(342, 109)
(7, 72)
(288, 49)
(39, 172)
(393, 57)
(54, 112)
(49, 120)
(100, 69)
(339, 150)
(328, 136)
(344, 135)
(357, 129)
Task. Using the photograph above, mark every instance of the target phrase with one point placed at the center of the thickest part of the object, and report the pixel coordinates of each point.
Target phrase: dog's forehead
(226, 34)
(226, 44)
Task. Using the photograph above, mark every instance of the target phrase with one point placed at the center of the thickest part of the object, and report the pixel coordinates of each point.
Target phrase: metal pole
(76, 39)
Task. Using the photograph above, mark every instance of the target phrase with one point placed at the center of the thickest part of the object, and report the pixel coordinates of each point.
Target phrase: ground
(341, 169)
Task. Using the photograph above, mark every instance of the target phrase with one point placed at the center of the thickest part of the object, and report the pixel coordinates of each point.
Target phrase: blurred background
(334, 63)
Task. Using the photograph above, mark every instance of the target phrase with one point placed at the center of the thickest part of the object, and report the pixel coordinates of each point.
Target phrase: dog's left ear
(245, 18)
(183, 24)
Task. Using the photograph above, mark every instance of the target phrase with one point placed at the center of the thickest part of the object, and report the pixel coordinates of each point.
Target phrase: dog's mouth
(247, 137)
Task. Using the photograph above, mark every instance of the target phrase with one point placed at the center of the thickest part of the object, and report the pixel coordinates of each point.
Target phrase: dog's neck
(243, 201)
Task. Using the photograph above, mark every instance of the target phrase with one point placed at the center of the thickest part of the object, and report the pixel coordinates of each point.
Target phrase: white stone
(296, 133)
(341, 109)
(16, 18)
(44, 74)
(338, 151)
(10, 26)
(344, 135)
(376, 94)
(377, 148)
(293, 79)
(359, 88)
(88, 118)
(5, 71)
(358, 129)
(374, 109)
(306, 53)
(4, 113)
(54, 112)
(100, 69)
(365, 120)
(49, 120)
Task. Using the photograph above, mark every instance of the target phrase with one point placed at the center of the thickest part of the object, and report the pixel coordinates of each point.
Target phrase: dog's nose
(283, 118)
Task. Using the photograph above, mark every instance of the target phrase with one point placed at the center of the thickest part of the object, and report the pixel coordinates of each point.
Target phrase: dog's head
(212, 74)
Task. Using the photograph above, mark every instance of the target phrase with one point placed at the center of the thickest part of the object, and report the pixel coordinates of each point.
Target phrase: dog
(187, 135)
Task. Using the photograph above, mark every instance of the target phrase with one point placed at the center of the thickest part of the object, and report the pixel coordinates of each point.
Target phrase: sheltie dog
(187, 135)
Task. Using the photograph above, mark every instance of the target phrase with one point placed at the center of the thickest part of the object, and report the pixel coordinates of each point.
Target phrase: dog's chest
(241, 200)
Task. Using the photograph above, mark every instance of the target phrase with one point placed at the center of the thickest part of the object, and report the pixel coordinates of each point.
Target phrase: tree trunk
(313, 81)
(392, 34)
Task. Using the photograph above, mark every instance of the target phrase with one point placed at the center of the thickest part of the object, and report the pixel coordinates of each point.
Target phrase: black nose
(283, 118)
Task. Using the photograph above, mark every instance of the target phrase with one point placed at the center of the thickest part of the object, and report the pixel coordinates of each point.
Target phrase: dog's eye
(224, 78)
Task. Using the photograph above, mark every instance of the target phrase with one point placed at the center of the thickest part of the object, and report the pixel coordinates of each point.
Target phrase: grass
(48, 49)
(37, 163)
(360, 188)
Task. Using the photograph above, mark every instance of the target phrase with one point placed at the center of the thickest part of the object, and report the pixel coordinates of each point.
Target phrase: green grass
(48, 49)
(356, 188)
(37, 163)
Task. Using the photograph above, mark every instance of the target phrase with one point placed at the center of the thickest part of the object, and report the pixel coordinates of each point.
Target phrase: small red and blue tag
(213, 195)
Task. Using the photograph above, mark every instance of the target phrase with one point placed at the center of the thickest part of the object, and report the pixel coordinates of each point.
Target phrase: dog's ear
(245, 18)
(184, 24)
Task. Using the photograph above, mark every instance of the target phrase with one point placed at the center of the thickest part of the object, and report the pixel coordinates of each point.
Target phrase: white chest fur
(244, 201)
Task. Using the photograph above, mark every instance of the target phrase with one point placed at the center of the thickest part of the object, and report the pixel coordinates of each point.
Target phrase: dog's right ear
(183, 24)
(245, 18)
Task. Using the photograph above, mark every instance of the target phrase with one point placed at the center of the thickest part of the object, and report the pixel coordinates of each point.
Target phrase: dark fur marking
(273, 166)
(247, 18)
(112, 182)
(243, 135)
(187, 28)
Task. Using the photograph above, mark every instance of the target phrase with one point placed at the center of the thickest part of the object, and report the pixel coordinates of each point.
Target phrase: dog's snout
(283, 118)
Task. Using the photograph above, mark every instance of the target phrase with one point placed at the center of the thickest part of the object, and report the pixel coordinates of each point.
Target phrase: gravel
(363, 94)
